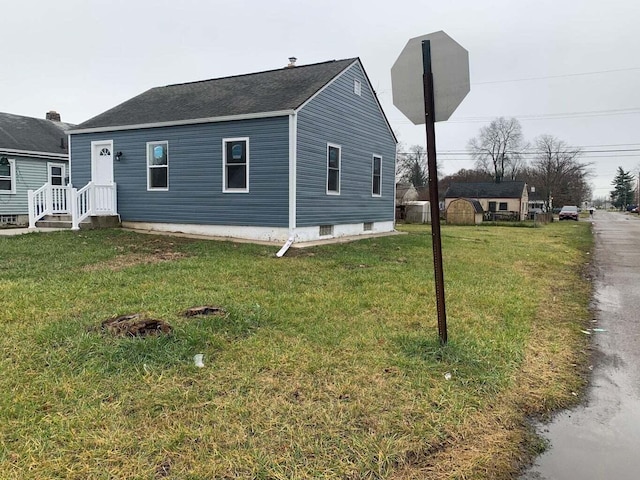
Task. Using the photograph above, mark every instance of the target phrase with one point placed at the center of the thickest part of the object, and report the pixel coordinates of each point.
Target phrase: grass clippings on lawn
(326, 363)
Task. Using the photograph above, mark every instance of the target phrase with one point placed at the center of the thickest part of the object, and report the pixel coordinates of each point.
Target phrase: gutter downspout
(293, 138)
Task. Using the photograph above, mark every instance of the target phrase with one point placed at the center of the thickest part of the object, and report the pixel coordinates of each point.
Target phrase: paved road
(601, 439)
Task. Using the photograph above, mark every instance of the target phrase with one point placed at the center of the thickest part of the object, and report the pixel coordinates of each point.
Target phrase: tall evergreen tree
(622, 193)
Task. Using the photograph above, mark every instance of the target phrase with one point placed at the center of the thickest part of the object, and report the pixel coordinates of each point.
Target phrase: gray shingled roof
(32, 134)
(271, 91)
(485, 190)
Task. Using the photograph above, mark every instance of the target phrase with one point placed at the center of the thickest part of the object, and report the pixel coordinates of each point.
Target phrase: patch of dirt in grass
(120, 262)
(134, 326)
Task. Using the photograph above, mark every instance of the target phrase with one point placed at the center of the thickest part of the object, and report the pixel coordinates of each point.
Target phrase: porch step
(64, 221)
(55, 221)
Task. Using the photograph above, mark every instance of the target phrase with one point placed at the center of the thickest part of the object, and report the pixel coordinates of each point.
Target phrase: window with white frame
(56, 174)
(235, 155)
(333, 169)
(7, 176)
(376, 176)
(158, 166)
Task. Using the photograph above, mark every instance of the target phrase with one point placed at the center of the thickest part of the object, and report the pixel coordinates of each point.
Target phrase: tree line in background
(501, 153)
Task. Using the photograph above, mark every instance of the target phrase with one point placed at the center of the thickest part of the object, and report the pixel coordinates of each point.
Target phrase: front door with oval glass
(102, 162)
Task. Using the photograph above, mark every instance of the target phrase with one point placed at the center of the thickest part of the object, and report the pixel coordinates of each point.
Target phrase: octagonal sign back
(450, 68)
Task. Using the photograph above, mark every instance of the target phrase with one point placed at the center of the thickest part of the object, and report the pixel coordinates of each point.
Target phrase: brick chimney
(53, 116)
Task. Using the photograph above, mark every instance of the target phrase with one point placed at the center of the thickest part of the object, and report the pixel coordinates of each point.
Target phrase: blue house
(33, 152)
(302, 152)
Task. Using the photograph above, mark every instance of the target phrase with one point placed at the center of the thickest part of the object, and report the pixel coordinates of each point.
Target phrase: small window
(158, 166)
(368, 226)
(56, 174)
(503, 206)
(235, 154)
(7, 176)
(492, 206)
(376, 176)
(8, 219)
(333, 169)
(357, 87)
(326, 230)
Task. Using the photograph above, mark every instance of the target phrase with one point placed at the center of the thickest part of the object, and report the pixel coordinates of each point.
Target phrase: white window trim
(149, 167)
(12, 178)
(326, 181)
(373, 160)
(224, 165)
(63, 168)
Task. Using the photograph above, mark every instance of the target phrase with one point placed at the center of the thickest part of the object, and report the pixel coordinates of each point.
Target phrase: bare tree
(557, 173)
(411, 166)
(498, 148)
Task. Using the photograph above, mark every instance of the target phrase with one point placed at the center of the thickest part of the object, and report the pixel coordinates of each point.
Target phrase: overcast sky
(566, 68)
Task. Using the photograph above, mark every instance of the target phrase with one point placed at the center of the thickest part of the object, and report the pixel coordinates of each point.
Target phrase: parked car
(568, 212)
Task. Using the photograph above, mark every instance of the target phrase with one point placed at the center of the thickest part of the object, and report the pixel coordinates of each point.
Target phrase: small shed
(464, 211)
(418, 212)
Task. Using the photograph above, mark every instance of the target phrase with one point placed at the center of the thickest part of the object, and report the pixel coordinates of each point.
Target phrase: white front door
(102, 162)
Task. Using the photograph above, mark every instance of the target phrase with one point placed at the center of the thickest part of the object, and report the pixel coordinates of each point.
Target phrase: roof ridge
(259, 73)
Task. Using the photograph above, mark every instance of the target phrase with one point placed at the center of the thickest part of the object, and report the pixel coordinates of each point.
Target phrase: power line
(542, 116)
(598, 72)
(588, 153)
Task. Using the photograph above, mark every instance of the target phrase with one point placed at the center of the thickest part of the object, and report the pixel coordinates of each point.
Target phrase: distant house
(537, 202)
(405, 193)
(33, 151)
(505, 200)
(302, 151)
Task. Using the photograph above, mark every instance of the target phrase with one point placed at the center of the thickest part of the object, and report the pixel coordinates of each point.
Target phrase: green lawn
(327, 364)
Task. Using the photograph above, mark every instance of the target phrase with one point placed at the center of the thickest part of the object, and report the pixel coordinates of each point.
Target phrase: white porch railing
(91, 200)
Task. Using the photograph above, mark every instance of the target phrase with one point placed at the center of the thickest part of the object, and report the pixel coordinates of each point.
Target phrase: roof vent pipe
(292, 62)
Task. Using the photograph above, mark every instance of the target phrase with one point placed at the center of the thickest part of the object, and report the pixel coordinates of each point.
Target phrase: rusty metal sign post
(445, 83)
(434, 199)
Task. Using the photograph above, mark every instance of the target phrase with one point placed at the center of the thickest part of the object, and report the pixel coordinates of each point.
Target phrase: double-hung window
(376, 176)
(333, 169)
(56, 174)
(235, 155)
(158, 166)
(7, 176)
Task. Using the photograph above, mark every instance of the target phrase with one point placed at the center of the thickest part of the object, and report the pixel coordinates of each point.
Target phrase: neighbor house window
(7, 176)
(492, 206)
(376, 174)
(503, 206)
(235, 154)
(158, 166)
(56, 174)
(333, 169)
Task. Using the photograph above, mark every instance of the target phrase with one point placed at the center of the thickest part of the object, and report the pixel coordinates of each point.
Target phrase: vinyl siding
(338, 116)
(31, 174)
(195, 173)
